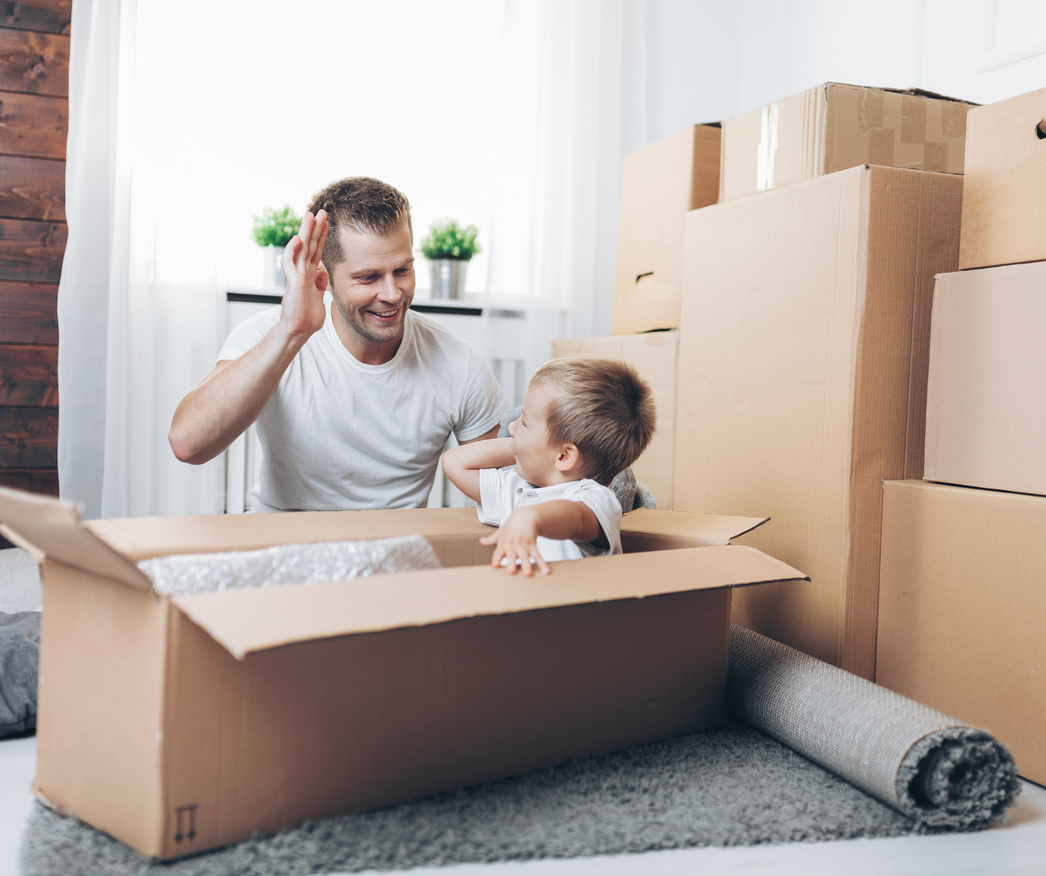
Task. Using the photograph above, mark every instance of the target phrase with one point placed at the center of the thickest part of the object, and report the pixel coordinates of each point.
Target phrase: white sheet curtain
(141, 301)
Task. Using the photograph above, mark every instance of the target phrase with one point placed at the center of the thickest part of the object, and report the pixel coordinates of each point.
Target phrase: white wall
(708, 61)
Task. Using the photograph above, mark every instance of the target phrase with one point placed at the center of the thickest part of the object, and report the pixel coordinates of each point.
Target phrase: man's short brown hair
(366, 205)
(603, 407)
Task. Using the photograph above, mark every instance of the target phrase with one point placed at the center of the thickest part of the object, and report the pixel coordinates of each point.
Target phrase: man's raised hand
(303, 311)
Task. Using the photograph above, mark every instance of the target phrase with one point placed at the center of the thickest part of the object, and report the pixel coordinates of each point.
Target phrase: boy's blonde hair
(603, 407)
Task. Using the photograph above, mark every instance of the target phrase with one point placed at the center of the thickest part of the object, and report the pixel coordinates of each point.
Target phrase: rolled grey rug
(936, 770)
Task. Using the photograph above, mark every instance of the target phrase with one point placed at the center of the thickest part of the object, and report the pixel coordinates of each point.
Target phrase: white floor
(1018, 847)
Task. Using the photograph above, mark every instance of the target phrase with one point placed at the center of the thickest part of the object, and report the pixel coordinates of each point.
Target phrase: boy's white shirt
(502, 491)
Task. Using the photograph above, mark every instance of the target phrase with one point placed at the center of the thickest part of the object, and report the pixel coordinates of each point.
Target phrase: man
(354, 394)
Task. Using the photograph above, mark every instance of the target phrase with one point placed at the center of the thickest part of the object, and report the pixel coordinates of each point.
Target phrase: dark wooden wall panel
(34, 119)
(32, 188)
(33, 124)
(29, 438)
(36, 63)
(35, 480)
(47, 15)
(28, 375)
(28, 314)
(31, 252)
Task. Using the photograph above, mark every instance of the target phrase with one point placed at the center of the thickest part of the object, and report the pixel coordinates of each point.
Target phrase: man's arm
(462, 464)
(221, 407)
(561, 519)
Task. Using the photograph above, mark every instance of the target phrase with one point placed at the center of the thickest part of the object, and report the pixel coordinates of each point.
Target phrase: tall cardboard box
(659, 185)
(180, 723)
(986, 398)
(962, 609)
(835, 127)
(802, 382)
(655, 356)
(1003, 220)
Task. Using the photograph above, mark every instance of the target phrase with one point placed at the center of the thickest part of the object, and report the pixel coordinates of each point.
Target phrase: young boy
(582, 422)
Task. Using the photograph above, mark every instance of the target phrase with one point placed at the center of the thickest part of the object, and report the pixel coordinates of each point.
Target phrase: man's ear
(568, 459)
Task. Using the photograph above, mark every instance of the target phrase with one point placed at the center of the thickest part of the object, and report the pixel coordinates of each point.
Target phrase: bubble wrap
(189, 574)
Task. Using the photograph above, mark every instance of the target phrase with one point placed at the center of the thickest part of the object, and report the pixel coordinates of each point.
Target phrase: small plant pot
(448, 278)
(272, 268)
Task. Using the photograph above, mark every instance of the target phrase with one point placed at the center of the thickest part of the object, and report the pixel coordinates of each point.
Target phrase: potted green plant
(272, 231)
(449, 247)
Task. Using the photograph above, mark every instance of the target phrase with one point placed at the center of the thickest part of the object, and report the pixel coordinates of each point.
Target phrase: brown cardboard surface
(834, 127)
(99, 702)
(261, 744)
(1002, 217)
(655, 356)
(352, 695)
(253, 620)
(962, 606)
(659, 184)
(802, 380)
(986, 401)
(52, 529)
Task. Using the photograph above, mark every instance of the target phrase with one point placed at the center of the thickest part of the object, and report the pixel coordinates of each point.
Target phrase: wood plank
(34, 480)
(52, 16)
(31, 252)
(33, 124)
(28, 375)
(37, 63)
(28, 314)
(32, 188)
(28, 437)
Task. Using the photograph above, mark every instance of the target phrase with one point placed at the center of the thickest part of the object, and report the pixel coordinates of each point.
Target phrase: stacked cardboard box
(804, 320)
(835, 127)
(802, 374)
(962, 605)
(659, 185)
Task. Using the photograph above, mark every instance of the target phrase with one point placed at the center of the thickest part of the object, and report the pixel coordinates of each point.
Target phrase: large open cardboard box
(834, 127)
(962, 609)
(655, 356)
(177, 724)
(802, 382)
(1002, 216)
(659, 185)
(986, 394)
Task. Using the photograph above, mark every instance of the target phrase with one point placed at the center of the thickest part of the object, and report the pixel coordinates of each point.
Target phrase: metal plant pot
(448, 278)
(272, 270)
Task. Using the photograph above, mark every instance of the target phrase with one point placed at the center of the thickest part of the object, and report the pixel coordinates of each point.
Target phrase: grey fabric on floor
(20, 588)
(732, 786)
(933, 768)
(19, 663)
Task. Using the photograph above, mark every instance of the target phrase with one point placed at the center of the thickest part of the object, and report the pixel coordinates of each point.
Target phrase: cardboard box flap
(248, 621)
(646, 529)
(54, 529)
(142, 538)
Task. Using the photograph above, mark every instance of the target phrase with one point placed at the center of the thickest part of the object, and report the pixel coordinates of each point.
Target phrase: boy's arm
(462, 464)
(560, 519)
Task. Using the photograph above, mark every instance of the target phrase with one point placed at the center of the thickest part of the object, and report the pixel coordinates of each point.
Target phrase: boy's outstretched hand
(517, 542)
(303, 311)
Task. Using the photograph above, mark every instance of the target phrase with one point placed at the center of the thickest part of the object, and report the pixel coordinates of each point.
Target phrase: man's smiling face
(372, 290)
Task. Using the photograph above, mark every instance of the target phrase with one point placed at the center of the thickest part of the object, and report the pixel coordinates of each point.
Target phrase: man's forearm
(230, 398)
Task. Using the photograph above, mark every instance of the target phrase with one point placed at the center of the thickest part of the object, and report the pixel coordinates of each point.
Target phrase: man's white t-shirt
(339, 435)
(502, 491)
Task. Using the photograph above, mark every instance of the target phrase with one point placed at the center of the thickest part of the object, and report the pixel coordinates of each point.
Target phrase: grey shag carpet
(725, 787)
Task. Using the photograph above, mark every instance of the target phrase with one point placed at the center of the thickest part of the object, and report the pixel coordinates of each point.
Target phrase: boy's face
(535, 459)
